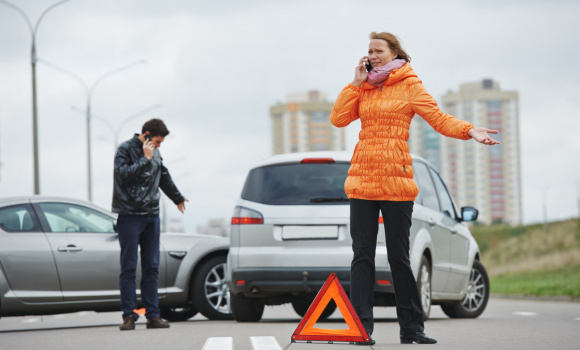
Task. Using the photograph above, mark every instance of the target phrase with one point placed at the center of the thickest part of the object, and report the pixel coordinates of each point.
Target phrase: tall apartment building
(302, 124)
(485, 177)
(424, 141)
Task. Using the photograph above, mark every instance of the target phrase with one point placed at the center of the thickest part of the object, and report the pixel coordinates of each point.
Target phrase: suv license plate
(309, 232)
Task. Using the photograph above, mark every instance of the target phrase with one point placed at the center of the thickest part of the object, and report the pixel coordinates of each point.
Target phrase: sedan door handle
(431, 222)
(453, 230)
(69, 248)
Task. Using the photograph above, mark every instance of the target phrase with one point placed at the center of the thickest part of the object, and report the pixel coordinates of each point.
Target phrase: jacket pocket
(401, 157)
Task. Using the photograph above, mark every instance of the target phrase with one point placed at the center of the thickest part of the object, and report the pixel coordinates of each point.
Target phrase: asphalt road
(506, 324)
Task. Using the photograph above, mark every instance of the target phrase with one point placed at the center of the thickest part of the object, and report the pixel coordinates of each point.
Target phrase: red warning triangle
(331, 290)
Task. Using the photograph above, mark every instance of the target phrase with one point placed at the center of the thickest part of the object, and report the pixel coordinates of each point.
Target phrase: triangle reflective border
(331, 290)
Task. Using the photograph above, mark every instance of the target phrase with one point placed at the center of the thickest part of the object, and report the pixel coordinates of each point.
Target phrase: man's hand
(181, 206)
(148, 148)
(481, 135)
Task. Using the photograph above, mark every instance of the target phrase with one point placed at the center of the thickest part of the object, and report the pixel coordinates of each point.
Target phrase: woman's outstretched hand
(360, 73)
(481, 135)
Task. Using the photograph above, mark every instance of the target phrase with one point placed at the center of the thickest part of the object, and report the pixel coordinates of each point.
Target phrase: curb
(560, 298)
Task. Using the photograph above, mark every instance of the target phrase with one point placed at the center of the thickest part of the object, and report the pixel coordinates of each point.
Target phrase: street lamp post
(89, 91)
(33, 60)
(89, 118)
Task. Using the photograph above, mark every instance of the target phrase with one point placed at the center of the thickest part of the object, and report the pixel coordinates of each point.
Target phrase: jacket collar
(396, 76)
(136, 140)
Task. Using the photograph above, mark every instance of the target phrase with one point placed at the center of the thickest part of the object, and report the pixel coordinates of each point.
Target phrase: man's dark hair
(156, 127)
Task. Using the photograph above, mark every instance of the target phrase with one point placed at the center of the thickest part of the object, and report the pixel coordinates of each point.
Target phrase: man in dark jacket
(139, 173)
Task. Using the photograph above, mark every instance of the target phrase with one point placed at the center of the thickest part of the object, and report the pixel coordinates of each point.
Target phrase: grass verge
(531, 260)
(550, 283)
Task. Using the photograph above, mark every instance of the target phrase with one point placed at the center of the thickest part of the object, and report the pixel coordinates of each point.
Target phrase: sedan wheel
(424, 286)
(476, 297)
(211, 293)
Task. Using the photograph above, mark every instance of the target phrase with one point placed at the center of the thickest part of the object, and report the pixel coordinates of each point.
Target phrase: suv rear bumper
(266, 282)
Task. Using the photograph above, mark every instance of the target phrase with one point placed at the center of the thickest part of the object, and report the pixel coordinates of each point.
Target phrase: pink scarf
(378, 75)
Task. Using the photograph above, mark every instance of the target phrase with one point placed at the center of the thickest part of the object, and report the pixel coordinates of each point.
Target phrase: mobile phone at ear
(148, 137)
(368, 65)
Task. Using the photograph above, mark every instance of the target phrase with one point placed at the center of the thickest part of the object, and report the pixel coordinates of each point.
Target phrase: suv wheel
(246, 309)
(211, 293)
(424, 286)
(301, 306)
(179, 314)
(476, 297)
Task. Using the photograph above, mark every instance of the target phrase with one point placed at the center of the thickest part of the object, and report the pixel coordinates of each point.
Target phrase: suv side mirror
(469, 214)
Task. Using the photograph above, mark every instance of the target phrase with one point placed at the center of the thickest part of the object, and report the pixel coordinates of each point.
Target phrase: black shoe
(418, 337)
(157, 322)
(370, 342)
(128, 324)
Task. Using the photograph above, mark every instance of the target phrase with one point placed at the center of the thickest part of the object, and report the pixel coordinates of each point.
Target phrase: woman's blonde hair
(393, 42)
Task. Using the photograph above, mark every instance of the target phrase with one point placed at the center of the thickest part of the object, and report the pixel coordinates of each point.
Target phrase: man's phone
(148, 137)
(368, 65)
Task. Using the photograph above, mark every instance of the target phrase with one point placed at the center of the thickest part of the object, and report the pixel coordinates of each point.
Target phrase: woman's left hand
(481, 135)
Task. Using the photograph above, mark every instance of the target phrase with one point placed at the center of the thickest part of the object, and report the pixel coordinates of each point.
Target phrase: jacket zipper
(404, 169)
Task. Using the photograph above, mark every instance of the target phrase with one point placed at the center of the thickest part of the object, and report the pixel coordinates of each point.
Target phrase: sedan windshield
(297, 184)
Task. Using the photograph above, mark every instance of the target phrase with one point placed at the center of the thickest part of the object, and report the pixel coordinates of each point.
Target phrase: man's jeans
(135, 231)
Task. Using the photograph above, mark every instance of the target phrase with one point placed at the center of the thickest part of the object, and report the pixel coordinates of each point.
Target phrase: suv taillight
(245, 216)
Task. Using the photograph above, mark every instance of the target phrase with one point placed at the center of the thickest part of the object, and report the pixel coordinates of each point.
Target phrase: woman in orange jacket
(380, 178)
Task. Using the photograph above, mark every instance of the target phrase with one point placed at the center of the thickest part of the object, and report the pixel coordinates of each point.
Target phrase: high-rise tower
(303, 124)
(487, 178)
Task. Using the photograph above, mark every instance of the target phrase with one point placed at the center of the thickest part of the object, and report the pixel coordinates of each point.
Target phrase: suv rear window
(297, 184)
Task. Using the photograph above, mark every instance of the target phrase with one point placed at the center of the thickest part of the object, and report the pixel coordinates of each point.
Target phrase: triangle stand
(331, 290)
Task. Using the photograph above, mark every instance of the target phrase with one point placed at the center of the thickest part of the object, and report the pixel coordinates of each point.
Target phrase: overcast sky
(215, 68)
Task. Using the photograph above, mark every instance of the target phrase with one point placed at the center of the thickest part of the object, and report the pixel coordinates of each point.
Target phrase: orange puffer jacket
(381, 166)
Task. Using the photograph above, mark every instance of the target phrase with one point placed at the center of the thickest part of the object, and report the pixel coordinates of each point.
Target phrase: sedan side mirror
(469, 214)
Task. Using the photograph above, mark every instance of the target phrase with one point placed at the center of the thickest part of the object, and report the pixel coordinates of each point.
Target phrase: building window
(319, 116)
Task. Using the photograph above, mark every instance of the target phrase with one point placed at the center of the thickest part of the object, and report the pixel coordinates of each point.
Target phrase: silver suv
(290, 230)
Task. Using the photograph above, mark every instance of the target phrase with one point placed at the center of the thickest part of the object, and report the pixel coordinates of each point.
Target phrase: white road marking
(265, 343)
(222, 343)
(525, 313)
(226, 343)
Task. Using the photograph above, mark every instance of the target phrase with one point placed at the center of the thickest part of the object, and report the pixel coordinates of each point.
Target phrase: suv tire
(424, 287)
(246, 309)
(476, 297)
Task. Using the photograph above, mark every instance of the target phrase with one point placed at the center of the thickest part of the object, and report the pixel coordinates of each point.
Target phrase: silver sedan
(61, 255)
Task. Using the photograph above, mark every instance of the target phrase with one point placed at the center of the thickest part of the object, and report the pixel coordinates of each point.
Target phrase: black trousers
(364, 227)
